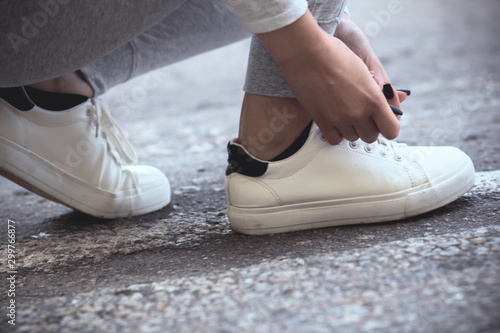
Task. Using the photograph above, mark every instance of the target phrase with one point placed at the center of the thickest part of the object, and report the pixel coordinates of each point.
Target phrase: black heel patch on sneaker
(54, 101)
(241, 162)
(17, 97)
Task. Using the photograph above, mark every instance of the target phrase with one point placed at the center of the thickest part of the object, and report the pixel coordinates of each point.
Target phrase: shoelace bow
(111, 132)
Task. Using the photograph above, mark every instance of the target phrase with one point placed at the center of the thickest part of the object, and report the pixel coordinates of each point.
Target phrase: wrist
(297, 40)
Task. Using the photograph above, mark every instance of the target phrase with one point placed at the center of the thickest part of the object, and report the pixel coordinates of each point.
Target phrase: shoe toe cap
(150, 182)
(438, 162)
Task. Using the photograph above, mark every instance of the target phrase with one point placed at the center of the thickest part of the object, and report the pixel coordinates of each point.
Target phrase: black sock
(16, 96)
(295, 146)
(54, 101)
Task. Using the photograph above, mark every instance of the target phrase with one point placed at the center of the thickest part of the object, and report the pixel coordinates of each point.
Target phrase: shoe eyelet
(322, 137)
(104, 135)
(88, 112)
(353, 145)
(398, 158)
(368, 149)
(383, 153)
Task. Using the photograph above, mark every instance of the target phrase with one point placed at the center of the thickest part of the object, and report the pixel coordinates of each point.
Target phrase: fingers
(386, 122)
(331, 134)
(395, 98)
(385, 116)
(368, 131)
(391, 95)
(402, 96)
(335, 134)
(348, 132)
(382, 119)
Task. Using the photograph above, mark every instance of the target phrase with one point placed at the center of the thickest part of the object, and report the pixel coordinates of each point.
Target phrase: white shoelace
(386, 145)
(383, 145)
(111, 132)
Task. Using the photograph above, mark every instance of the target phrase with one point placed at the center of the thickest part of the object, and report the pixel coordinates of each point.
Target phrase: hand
(331, 82)
(354, 38)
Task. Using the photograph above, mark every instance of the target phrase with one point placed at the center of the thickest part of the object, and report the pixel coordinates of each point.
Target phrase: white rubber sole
(383, 208)
(46, 179)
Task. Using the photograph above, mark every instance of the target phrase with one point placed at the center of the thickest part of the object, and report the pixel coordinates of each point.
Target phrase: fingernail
(388, 91)
(396, 111)
(407, 92)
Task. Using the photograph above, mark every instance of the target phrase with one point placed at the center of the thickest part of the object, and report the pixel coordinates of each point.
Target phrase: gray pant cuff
(264, 77)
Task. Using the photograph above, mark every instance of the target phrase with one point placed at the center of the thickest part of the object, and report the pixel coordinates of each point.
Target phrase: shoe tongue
(54, 101)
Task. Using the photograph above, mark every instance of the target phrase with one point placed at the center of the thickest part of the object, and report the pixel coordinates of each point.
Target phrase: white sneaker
(78, 157)
(350, 183)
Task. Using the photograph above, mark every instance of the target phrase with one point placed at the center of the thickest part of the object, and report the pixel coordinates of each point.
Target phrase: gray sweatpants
(112, 42)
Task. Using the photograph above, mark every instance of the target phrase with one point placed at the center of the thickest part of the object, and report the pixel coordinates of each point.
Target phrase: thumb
(402, 96)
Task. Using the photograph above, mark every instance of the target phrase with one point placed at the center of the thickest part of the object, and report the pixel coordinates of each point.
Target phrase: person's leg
(271, 118)
(45, 39)
(78, 155)
(195, 27)
(71, 83)
(283, 175)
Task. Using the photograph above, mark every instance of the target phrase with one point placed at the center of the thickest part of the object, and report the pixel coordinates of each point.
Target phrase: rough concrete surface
(182, 269)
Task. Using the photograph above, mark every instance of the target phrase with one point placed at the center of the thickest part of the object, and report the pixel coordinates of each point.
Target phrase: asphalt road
(182, 269)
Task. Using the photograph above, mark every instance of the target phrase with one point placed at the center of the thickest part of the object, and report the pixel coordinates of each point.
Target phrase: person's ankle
(270, 125)
(71, 83)
(263, 151)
